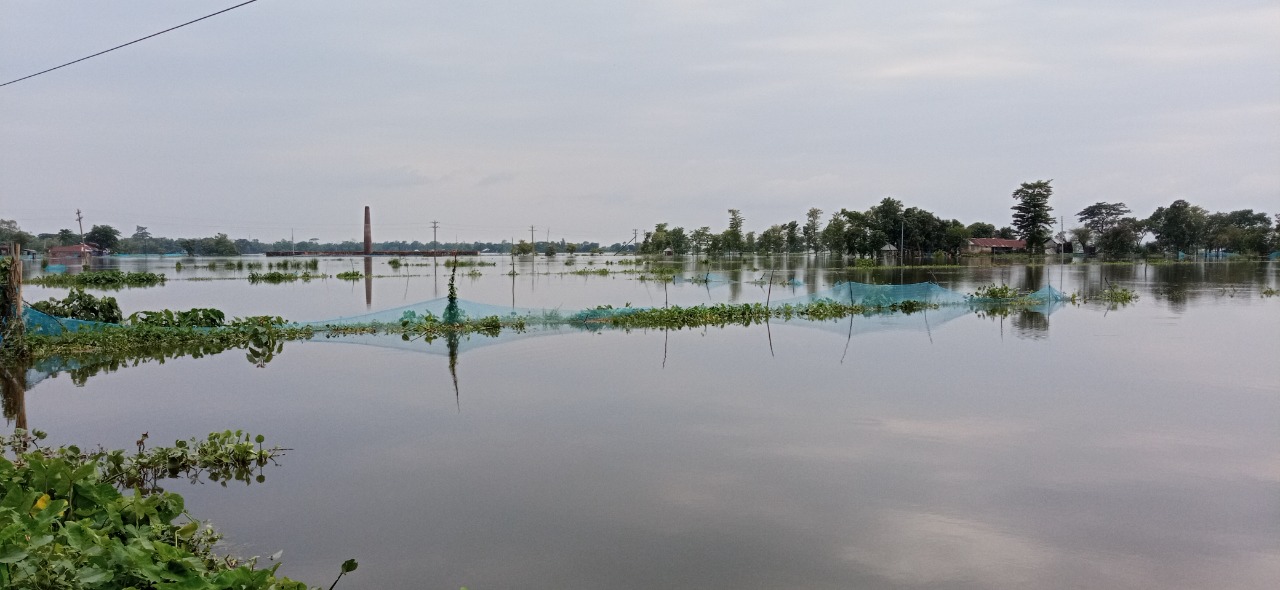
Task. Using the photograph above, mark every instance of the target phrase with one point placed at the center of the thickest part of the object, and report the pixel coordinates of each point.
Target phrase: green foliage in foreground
(100, 279)
(71, 519)
(81, 306)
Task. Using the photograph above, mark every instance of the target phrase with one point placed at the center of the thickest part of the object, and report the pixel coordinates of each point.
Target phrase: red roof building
(994, 245)
(72, 251)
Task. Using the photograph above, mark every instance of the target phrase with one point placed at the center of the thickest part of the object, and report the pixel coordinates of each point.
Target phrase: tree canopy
(1031, 217)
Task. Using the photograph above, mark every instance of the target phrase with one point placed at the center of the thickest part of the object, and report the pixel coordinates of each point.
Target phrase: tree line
(1104, 228)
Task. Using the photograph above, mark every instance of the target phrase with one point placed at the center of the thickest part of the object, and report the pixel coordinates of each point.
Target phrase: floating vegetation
(66, 522)
(350, 275)
(149, 340)
(1116, 294)
(455, 263)
(311, 264)
(395, 263)
(200, 317)
(997, 292)
(277, 277)
(1269, 292)
(100, 279)
(81, 306)
(602, 272)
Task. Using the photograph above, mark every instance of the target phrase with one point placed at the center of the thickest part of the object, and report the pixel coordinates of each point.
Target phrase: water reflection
(13, 382)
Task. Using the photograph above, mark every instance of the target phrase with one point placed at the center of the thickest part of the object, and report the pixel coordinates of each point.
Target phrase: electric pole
(80, 222)
(531, 241)
(435, 245)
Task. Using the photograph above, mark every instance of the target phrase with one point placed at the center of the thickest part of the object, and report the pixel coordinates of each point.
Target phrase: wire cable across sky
(129, 43)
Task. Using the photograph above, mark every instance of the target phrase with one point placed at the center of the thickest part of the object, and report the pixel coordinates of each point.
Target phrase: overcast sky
(594, 118)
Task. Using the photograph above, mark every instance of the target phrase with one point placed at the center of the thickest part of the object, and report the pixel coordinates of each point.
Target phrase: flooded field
(1070, 445)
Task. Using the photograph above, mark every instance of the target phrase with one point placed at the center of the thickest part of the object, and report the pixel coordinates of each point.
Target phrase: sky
(588, 120)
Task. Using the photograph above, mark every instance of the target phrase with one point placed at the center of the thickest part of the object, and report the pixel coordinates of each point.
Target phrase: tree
(218, 245)
(732, 240)
(1006, 233)
(1081, 235)
(791, 237)
(833, 234)
(570, 248)
(982, 230)
(679, 242)
(885, 222)
(1101, 216)
(1031, 216)
(1121, 237)
(955, 238)
(522, 248)
(700, 239)
(104, 236)
(1179, 227)
(10, 233)
(859, 236)
(812, 239)
(67, 237)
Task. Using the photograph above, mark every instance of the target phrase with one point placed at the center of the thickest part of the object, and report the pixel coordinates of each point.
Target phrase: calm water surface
(1073, 447)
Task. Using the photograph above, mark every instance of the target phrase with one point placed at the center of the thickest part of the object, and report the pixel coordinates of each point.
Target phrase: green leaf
(349, 566)
(93, 575)
(12, 554)
(186, 530)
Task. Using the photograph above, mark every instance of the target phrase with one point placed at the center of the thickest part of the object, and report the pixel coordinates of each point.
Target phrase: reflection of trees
(1028, 323)
(1032, 279)
(1031, 324)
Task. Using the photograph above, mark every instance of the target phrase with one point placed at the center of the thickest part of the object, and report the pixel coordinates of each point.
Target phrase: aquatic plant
(66, 521)
(1115, 294)
(1269, 292)
(350, 275)
(126, 341)
(454, 263)
(79, 305)
(277, 277)
(603, 272)
(200, 317)
(993, 291)
(101, 279)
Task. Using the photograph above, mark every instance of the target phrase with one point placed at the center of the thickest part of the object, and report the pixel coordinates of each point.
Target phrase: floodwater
(1074, 446)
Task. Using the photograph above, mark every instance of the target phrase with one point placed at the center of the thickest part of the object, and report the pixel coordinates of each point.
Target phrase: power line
(130, 43)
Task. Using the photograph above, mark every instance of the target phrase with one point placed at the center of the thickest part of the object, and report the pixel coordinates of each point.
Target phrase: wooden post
(11, 311)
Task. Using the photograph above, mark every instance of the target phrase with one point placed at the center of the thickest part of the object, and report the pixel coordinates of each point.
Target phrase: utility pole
(80, 222)
(635, 239)
(435, 244)
(531, 241)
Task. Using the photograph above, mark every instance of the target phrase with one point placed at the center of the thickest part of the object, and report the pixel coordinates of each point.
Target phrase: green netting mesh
(867, 295)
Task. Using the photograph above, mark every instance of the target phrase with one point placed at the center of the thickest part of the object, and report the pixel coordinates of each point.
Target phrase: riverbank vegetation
(72, 518)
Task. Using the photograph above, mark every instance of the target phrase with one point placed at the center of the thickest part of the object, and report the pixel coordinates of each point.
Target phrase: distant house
(72, 251)
(994, 245)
